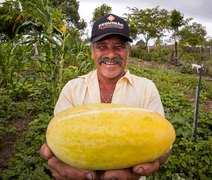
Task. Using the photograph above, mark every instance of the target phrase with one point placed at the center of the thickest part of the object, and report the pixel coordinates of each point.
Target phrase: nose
(111, 53)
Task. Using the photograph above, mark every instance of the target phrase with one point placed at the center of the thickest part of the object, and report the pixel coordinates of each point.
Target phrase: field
(40, 52)
(26, 109)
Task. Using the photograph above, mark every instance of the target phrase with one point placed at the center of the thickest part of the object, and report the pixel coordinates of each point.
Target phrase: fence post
(196, 107)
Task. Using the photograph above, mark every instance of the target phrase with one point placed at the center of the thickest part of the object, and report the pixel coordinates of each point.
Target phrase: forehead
(112, 39)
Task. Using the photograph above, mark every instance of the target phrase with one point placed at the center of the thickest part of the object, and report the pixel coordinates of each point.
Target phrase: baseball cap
(110, 24)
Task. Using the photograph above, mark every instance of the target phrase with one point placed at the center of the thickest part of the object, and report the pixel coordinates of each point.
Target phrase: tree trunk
(175, 50)
(175, 53)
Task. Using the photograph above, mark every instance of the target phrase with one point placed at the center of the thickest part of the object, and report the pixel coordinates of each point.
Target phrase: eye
(120, 46)
(101, 47)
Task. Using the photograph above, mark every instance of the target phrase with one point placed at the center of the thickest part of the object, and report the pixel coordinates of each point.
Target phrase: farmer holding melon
(110, 82)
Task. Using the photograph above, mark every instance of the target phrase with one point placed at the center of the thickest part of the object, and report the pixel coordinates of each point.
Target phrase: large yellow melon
(108, 136)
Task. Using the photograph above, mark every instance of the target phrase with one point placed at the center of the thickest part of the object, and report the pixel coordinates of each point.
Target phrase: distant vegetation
(41, 48)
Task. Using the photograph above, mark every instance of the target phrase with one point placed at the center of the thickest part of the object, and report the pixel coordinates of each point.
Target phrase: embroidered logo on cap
(111, 24)
(111, 18)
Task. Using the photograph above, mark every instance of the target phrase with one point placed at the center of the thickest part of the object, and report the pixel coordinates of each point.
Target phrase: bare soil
(18, 126)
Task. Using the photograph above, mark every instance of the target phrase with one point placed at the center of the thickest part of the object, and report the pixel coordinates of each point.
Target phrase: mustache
(115, 60)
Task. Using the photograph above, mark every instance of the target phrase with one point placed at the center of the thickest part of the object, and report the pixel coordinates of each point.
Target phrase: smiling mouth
(108, 61)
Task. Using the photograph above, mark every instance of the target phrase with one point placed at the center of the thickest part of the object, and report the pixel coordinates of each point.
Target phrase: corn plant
(13, 56)
(54, 47)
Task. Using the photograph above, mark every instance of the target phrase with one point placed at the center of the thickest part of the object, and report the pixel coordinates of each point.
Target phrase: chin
(112, 75)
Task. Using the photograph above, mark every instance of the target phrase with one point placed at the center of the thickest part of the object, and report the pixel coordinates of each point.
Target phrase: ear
(129, 49)
(92, 50)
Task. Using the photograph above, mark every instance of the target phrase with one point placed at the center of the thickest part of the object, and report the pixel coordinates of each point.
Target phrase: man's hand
(62, 171)
(136, 171)
(150, 168)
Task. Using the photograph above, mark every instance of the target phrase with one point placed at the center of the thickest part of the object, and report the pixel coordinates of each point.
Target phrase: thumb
(146, 168)
(45, 152)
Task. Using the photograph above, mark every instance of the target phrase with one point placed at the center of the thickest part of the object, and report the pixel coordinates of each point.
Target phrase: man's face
(110, 56)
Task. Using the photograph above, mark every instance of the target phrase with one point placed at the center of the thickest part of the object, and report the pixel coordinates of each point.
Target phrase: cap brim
(108, 34)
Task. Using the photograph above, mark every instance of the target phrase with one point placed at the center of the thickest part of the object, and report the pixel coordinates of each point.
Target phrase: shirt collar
(91, 77)
(128, 77)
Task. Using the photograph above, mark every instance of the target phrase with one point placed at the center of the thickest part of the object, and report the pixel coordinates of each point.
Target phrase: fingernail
(139, 170)
(89, 176)
(114, 178)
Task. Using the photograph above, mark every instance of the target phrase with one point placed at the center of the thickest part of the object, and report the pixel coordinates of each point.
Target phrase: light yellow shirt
(130, 90)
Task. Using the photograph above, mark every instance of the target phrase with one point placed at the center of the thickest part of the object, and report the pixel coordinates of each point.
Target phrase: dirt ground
(7, 151)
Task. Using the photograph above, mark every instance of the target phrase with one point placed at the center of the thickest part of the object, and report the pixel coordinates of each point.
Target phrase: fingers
(45, 152)
(62, 171)
(146, 168)
(149, 168)
(123, 174)
(164, 158)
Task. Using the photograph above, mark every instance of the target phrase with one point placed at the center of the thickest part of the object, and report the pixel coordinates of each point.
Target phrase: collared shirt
(130, 89)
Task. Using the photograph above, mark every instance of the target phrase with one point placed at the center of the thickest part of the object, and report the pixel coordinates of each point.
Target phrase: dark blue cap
(110, 24)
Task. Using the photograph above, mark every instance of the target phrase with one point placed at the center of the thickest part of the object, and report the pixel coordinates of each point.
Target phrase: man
(109, 83)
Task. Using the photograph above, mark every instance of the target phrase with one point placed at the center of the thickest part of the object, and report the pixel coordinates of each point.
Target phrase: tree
(11, 17)
(70, 9)
(176, 21)
(193, 35)
(151, 23)
(141, 44)
(100, 11)
(23, 15)
(209, 44)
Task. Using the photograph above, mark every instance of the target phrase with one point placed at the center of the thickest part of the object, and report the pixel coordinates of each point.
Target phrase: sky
(199, 10)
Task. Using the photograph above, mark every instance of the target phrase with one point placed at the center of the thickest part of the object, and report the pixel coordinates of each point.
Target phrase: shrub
(158, 53)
